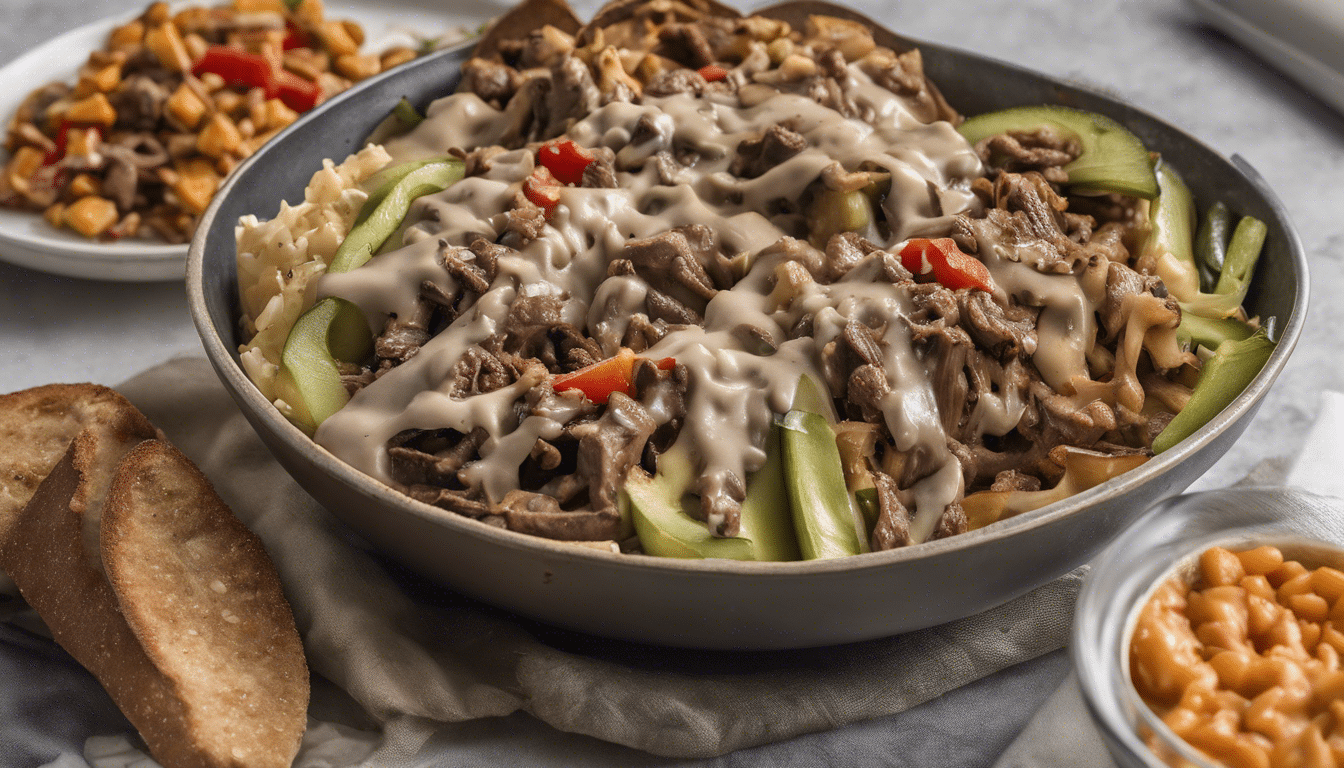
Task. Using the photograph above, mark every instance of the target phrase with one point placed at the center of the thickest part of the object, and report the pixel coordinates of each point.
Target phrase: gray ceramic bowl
(718, 604)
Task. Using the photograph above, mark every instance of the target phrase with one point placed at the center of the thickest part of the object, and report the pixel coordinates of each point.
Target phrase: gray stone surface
(1154, 53)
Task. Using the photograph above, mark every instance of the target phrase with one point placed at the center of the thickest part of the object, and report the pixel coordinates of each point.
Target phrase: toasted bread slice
(37, 426)
(46, 557)
(203, 598)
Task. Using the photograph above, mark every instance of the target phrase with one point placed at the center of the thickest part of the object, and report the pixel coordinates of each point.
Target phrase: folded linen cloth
(415, 664)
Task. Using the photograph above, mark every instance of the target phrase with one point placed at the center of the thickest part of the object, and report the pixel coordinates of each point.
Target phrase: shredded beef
(524, 223)
(756, 156)
(674, 81)
(951, 523)
(893, 520)
(492, 81)
(1015, 480)
(460, 502)
(1041, 150)
(1121, 282)
(685, 44)
(1004, 331)
(610, 446)
(540, 515)
(844, 251)
(600, 175)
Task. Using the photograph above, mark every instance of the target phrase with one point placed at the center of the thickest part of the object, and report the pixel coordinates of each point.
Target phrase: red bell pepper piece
(298, 93)
(712, 72)
(598, 381)
(543, 189)
(239, 68)
(565, 160)
(945, 263)
(295, 37)
(63, 140)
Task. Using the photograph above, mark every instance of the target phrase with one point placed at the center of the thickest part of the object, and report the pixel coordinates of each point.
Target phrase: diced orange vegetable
(542, 189)
(945, 263)
(84, 185)
(167, 45)
(23, 165)
(356, 67)
(196, 184)
(395, 57)
(219, 136)
(337, 39)
(93, 110)
(598, 381)
(186, 107)
(259, 6)
(565, 160)
(127, 36)
(81, 141)
(54, 214)
(276, 115)
(713, 72)
(90, 216)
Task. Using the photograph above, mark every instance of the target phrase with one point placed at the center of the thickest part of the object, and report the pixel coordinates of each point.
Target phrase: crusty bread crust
(39, 424)
(45, 556)
(202, 596)
(149, 581)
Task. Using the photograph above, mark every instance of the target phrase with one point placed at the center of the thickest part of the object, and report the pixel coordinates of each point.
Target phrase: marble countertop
(1153, 53)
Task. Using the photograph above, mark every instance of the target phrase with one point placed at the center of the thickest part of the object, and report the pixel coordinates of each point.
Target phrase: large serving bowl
(728, 604)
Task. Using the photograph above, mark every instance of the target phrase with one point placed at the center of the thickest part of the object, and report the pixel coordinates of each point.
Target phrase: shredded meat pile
(974, 343)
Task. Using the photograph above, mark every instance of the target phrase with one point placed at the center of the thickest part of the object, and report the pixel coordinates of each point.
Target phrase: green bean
(1210, 333)
(1169, 244)
(1233, 366)
(1235, 280)
(1242, 254)
(407, 114)
(1211, 244)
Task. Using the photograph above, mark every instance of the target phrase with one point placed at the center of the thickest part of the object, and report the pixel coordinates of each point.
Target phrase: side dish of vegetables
(177, 97)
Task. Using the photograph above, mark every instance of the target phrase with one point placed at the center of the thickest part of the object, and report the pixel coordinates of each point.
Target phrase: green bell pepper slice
(1112, 160)
(660, 508)
(1243, 252)
(823, 518)
(1233, 366)
(333, 330)
(1210, 333)
(1170, 240)
(386, 208)
(1211, 244)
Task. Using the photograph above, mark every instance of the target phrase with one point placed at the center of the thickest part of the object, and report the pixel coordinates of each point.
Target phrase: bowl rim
(225, 362)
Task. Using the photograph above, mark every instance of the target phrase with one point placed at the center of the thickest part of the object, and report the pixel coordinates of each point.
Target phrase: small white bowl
(1167, 540)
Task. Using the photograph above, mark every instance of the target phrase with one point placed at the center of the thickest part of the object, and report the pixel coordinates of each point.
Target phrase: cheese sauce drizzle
(727, 419)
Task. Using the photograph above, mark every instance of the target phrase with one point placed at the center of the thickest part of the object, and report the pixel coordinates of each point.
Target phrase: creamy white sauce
(734, 392)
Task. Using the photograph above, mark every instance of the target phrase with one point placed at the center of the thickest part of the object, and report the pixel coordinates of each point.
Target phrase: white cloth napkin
(418, 660)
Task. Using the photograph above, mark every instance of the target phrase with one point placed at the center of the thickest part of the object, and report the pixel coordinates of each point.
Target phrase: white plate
(27, 240)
